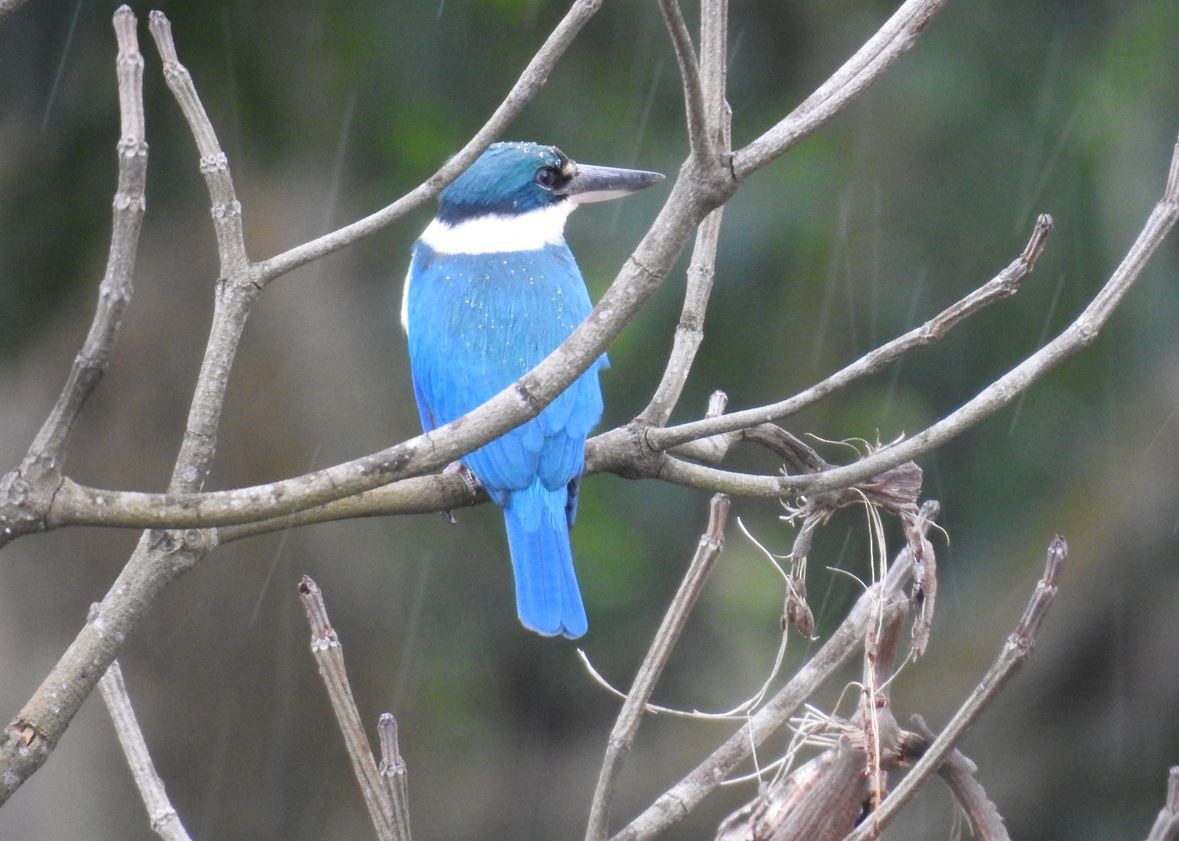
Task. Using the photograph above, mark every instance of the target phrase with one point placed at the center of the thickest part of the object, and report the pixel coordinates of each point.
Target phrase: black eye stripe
(548, 177)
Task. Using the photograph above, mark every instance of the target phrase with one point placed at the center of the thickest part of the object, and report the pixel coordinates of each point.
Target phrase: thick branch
(638, 280)
(608, 451)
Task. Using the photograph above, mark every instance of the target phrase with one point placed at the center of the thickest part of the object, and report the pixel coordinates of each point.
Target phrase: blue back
(480, 321)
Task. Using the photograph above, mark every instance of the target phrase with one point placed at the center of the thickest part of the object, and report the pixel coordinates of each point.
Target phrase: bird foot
(469, 479)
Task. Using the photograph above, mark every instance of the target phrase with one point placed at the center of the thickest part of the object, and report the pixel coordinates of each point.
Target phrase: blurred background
(922, 190)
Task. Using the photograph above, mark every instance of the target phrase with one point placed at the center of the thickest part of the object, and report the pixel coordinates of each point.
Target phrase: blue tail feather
(547, 596)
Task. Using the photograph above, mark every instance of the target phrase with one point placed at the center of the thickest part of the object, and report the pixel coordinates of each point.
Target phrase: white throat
(492, 235)
(499, 234)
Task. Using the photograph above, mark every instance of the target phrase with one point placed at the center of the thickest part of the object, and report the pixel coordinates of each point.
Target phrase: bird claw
(469, 479)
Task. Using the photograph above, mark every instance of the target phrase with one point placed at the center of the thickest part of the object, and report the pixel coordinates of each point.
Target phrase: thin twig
(635, 284)
(679, 800)
(896, 37)
(165, 822)
(622, 735)
(1003, 285)
(1078, 335)
(214, 165)
(160, 556)
(114, 292)
(689, 333)
(329, 658)
(524, 91)
(1013, 655)
(700, 132)
(715, 118)
(394, 776)
(40, 470)
(235, 292)
(1166, 825)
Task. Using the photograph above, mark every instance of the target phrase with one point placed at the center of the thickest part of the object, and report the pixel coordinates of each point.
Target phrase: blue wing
(477, 323)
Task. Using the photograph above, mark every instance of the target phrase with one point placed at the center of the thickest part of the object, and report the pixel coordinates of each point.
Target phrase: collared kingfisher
(492, 289)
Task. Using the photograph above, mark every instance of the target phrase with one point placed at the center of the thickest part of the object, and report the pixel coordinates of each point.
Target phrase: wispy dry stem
(1012, 656)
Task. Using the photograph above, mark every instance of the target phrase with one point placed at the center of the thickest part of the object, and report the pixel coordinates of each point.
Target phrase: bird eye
(548, 176)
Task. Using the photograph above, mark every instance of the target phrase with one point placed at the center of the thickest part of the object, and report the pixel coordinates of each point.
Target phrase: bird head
(513, 179)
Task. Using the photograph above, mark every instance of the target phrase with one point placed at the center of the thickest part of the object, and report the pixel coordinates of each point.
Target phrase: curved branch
(524, 91)
(638, 280)
(1077, 336)
(114, 292)
(891, 41)
(700, 132)
(1001, 286)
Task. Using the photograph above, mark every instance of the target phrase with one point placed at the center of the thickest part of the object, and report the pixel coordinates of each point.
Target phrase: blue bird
(493, 289)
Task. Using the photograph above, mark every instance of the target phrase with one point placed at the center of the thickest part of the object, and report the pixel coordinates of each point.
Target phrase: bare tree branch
(165, 822)
(622, 735)
(714, 117)
(1077, 336)
(524, 91)
(393, 775)
(114, 292)
(329, 657)
(700, 132)
(894, 39)
(689, 333)
(41, 468)
(76, 504)
(160, 557)
(1003, 285)
(1166, 825)
(235, 289)
(1013, 655)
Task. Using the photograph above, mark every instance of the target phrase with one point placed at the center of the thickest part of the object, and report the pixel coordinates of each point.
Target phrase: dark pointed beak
(602, 183)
